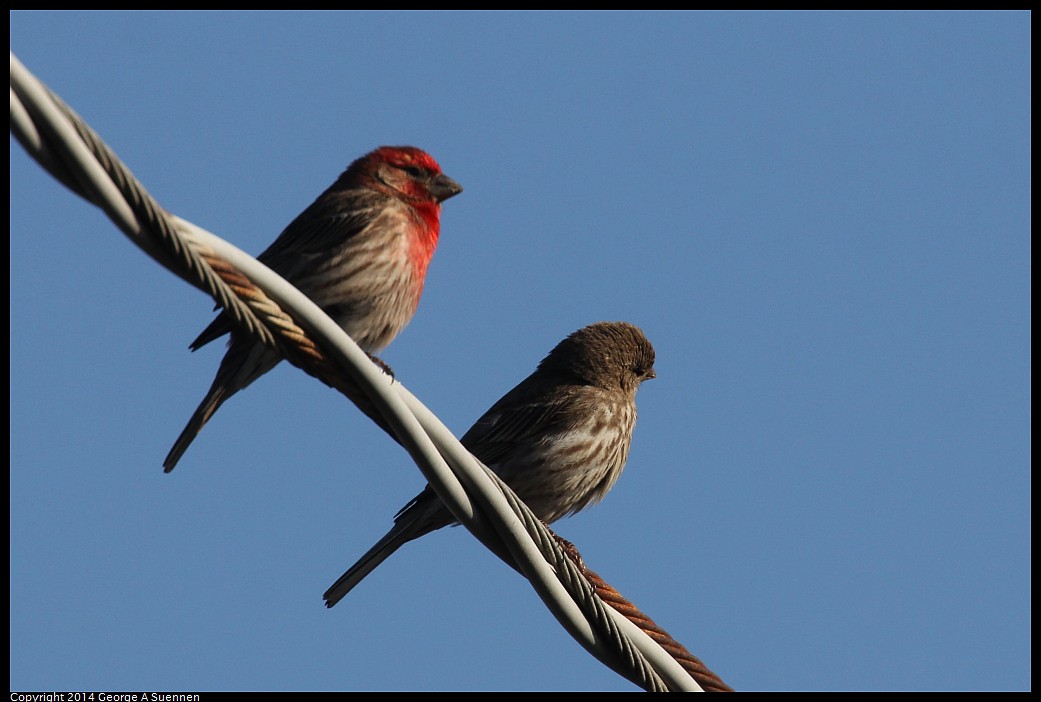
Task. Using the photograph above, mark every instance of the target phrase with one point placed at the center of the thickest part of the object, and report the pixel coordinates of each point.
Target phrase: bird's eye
(413, 171)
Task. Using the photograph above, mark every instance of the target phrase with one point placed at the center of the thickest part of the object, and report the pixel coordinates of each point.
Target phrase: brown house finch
(559, 439)
(360, 252)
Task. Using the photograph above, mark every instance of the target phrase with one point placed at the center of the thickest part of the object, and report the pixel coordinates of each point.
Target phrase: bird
(559, 439)
(360, 251)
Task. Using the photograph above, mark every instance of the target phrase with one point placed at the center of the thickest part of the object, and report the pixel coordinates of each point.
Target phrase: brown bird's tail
(395, 539)
(216, 396)
(423, 514)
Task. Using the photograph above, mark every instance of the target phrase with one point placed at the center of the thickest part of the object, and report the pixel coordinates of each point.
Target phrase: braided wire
(708, 680)
(631, 663)
(257, 314)
(153, 221)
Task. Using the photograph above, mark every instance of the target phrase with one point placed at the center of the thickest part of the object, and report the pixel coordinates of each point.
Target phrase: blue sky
(821, 221)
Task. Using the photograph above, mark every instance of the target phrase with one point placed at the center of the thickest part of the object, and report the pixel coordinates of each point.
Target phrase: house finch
(559, 439)
(360, 252)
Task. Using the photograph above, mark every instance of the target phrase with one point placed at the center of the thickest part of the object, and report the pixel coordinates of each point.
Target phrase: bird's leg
(569, 550)
(381, 365)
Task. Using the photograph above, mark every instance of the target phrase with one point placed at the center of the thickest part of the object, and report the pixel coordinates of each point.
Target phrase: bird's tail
(423, 514)
(241, 365)
(216, 396)
(395, 539)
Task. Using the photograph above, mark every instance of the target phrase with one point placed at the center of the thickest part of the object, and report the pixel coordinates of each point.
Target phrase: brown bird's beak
(444, 187)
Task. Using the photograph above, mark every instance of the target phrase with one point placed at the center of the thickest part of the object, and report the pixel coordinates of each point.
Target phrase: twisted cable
(151, 227)
(708, 680)
(202, 260)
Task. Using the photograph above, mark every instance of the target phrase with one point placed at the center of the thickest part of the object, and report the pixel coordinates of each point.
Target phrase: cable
(256, 299)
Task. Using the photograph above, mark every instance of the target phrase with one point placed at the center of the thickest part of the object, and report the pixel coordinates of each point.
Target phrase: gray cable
(69, 150)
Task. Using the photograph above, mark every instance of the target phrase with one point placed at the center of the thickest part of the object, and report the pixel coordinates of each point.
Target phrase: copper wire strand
(708, 680)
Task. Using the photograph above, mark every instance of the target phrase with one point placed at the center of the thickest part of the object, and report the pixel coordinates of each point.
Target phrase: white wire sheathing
(499, 519)
(450, 466)
(77, 164)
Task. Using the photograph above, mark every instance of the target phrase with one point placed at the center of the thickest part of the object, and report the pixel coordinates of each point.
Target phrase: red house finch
(360, 252)
(559, 439)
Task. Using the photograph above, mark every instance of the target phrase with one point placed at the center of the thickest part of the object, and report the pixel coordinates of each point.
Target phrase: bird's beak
(444, 187)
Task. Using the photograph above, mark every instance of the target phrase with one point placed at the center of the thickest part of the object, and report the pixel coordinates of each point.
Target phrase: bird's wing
(521, 414)
(315, 232)
(322, 227)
